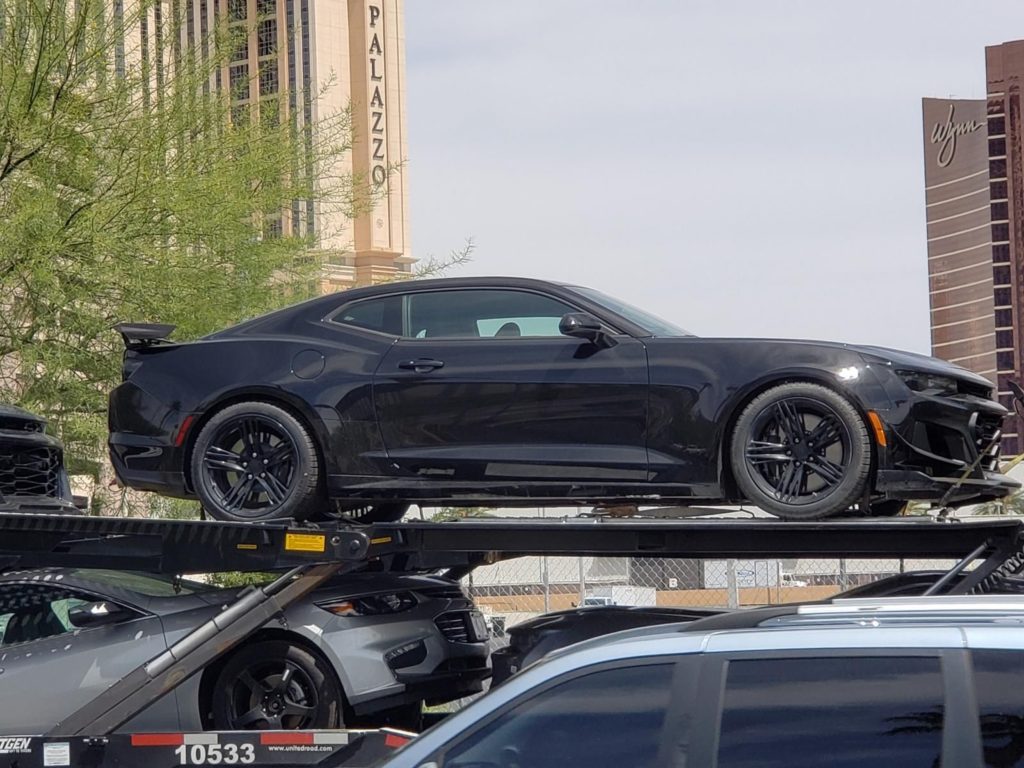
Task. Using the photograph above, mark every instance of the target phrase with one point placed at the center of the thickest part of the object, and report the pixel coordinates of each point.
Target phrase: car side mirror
(581, 325)
(95, 614)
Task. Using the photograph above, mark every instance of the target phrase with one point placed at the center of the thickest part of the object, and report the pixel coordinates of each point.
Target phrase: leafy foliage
(128, 192)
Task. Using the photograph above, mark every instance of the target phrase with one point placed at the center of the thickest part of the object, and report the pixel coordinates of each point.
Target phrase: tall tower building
(1004, 68)
(302, 60)
(974, 198)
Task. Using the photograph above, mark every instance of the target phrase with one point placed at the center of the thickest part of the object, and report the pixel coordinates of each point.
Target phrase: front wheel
(274, 685)
(801, 451)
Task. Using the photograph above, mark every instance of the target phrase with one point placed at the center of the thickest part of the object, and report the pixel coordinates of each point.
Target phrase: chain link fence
(517, 590)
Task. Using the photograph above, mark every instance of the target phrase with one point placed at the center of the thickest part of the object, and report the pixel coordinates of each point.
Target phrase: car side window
(607, 719)
(837, 711)
(998, 677)
(383, 314)
(480, 313)
(35, 611)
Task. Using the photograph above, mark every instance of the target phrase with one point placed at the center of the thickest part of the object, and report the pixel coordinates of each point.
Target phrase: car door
(484, 387)
(51, 669)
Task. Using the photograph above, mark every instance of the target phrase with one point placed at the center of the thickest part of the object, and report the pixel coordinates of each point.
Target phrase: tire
(389, 512)
(251, 692)
(288, 483)
(776, 464)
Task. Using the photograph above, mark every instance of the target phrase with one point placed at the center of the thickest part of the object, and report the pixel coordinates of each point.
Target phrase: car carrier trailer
(306, 555)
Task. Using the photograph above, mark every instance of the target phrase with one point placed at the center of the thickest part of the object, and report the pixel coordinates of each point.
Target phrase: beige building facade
(305, 61)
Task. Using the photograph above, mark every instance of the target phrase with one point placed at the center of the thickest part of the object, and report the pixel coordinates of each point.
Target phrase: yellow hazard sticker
(246, 546)
(381, 540)
(305, 542)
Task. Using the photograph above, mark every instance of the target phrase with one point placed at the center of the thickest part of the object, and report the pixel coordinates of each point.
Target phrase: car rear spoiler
(139, 335)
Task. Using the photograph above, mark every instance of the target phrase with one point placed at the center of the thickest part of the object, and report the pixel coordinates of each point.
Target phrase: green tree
(129, 190)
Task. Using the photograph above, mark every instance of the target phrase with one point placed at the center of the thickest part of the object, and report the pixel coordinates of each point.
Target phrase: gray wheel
(801, 451)
(256, 461)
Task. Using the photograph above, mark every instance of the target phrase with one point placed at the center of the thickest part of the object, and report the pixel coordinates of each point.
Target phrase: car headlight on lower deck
(929, 383)
(371, 605)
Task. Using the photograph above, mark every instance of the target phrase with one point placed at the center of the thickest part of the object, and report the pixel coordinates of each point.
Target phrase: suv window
(34, 611)
(998, 677)
(607, 719)
(849, 711)
(483, 313)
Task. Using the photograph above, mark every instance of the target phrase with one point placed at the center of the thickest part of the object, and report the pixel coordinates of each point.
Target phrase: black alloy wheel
(276, 686)
(801, 451)
(256, 461)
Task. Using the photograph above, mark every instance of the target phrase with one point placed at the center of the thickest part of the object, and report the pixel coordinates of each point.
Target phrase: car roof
(842, 623)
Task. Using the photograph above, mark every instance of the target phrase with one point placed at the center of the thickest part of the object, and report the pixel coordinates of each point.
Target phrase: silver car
(362, 649)
(895, 682)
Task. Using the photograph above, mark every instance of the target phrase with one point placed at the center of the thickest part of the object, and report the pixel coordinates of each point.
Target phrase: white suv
(898, 682)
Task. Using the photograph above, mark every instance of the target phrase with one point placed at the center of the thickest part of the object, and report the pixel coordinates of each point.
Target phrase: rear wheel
(274, 685)
(801, 451)
(256, 461)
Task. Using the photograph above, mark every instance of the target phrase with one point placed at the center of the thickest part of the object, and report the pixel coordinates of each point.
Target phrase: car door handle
(421, 365)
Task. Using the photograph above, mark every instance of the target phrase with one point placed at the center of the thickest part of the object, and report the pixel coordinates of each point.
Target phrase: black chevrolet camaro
(508, 391)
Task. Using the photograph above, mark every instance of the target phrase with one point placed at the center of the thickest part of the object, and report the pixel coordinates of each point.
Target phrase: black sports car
(511, 391)
(32, 473)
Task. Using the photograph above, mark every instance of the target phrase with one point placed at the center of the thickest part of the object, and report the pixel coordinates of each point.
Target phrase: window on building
(997, 169)
(240, 114)
(479, 313)
(236, 10)
(1001, 252)
(996, 147)
(1000, 232)
(1002, 297)
(607, 719)
(1004, 339)
(270, 113)
(1001, 274)
(266, 7)
(240, 50)
(238, 75)
(1004, 318)
(266, 37)
(268, 77)
(886, 712)
(998, 190)
(1004, 361)
(996, 126)
(1000, 211)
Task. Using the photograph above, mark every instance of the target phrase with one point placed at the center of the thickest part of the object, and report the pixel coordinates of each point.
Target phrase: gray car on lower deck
(358, 649)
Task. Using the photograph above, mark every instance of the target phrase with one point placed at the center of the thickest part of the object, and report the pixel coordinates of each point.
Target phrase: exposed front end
(32, 473)
(942, 439)
(420, 640)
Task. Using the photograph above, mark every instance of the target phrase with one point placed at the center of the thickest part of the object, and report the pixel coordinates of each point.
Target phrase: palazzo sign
(377, 90)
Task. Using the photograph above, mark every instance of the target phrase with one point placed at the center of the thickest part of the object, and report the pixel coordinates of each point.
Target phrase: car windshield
(645, 320)
(141, 583)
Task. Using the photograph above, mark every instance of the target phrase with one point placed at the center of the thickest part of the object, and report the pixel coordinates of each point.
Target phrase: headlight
(371, 605)
(928, 383)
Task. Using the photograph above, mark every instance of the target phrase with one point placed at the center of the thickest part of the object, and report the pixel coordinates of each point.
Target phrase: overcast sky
(740, 168)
